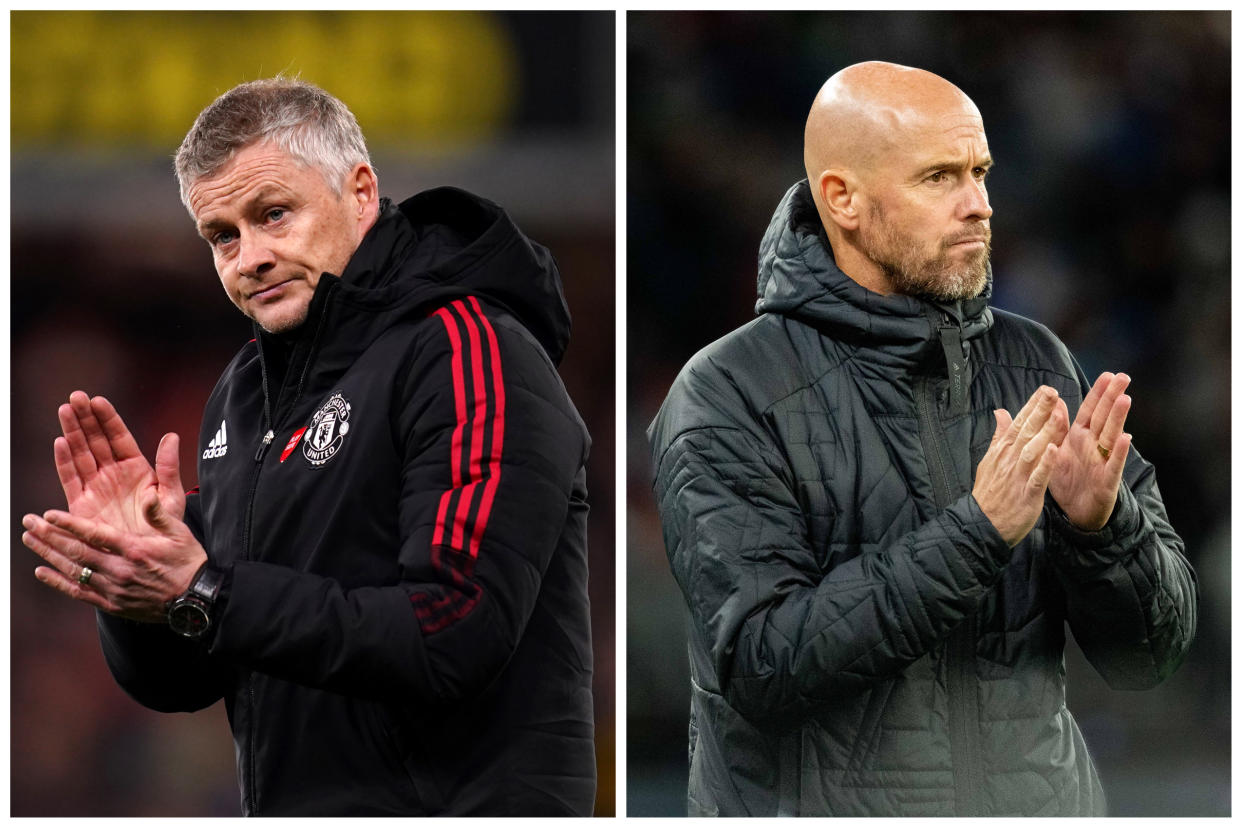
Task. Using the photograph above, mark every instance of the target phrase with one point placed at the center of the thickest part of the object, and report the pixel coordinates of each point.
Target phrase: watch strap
(206, 583)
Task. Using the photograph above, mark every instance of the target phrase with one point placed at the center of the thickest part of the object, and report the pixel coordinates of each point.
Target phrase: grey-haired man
(383, 569)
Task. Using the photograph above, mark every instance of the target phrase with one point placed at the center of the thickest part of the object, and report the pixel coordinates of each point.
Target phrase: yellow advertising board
(431, 79)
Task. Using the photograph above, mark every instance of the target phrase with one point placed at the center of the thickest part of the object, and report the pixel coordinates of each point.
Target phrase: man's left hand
(1089, 462)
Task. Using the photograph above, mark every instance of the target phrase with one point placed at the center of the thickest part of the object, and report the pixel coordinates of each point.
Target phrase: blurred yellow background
(140, 78)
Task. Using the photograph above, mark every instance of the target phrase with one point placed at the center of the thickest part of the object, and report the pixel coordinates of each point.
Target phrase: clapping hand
(122, 546)
(103, 472)
(1079, 464)
(1013, 475)
(1086, 471)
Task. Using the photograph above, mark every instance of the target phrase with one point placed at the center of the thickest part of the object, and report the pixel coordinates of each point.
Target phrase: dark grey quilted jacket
(863, 642)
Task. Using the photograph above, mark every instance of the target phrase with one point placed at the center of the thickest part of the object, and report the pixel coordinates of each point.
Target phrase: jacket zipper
(268, 436)
(959, 648)
(252, 795)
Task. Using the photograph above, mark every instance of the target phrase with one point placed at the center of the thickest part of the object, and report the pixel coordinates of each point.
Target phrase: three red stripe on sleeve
(475, 449)
(487, 432)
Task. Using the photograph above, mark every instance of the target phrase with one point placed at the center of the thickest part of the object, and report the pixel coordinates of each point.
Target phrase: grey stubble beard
(911, 273)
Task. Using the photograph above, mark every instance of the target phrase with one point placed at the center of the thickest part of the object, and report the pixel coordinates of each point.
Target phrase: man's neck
(855, 264)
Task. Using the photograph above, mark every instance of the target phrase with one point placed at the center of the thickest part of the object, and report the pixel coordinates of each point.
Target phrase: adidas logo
(218, 447)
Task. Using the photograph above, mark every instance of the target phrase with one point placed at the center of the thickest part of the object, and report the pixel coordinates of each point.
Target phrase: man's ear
(362, 189)
(838, 192)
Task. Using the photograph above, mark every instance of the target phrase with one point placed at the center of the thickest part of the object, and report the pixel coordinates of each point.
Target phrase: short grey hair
(300, 118)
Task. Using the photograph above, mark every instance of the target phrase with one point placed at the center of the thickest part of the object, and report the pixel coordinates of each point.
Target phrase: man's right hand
(1013, 476)
(104, 474)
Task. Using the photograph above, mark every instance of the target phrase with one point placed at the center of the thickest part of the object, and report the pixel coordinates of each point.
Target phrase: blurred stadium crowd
(1111, 226)
(113, 293)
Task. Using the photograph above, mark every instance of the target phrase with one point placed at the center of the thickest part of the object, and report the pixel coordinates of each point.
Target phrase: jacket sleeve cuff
(222, 599)
(991, 552)
(1103, 545)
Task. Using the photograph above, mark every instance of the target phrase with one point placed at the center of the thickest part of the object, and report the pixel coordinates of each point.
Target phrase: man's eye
(936, 177)
(275, 214)
(981, 173)
(222, 238)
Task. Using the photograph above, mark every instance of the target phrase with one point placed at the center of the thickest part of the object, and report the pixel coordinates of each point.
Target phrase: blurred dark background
(1112, 226)
(113, 292)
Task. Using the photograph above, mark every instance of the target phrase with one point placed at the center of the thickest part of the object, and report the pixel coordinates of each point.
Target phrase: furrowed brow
(262, 195)
(265, 193)
(205, 228)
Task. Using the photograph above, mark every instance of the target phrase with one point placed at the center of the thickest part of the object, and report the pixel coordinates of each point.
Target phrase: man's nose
(254, 256)
(975, 201)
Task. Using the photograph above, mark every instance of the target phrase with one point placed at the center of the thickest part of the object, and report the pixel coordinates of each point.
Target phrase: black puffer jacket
(397, 495)
(862, 640)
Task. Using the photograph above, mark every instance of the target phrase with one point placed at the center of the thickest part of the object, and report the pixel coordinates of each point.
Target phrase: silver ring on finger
(84, 577)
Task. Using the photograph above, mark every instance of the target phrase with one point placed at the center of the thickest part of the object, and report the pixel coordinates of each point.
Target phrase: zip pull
(267, 441)
(951, 341)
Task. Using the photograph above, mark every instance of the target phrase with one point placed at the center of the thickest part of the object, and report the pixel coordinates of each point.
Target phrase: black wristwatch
(190, 612)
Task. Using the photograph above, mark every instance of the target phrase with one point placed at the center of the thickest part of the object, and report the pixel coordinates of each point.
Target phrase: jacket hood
(445, 243)
(434, 247)
(798, 277)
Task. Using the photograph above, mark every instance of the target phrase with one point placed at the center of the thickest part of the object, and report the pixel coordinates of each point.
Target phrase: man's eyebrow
(954, 164)
(265, 193)
(205, 227)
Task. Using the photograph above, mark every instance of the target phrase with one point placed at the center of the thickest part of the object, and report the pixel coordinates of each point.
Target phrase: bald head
(864, 112)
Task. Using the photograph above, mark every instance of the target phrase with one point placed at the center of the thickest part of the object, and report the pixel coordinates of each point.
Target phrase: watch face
(189, 618)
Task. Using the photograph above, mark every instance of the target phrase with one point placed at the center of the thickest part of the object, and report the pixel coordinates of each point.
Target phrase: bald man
(878, 556)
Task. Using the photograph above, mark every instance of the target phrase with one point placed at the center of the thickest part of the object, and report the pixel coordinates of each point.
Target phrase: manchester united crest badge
(326, 432)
